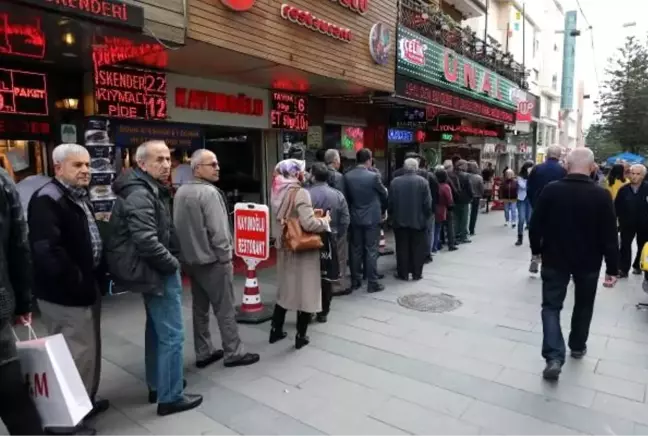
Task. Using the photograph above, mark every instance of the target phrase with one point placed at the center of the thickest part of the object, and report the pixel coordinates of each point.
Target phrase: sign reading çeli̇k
(316, 24)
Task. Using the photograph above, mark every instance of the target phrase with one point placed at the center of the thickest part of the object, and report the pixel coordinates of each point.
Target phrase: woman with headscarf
(299, 275)
(616, 180)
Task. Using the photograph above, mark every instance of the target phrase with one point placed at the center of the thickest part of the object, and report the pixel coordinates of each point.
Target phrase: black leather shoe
(98, 407)
(343, 292)
(321, 318)
(301, 341)
(245, 360)
(380, 276)
(453, 248)
(375, 287)
(215, 357)
(417, 278)
(579, 354)
(623, 275)
(636, 271)
(355, 286)
(188, 402)
(552, 370)
(153, 394)
(277, 335)
(80, 429)
(397, 277)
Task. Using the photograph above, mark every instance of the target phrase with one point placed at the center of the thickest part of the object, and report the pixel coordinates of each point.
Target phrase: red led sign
(218, 102)
(310, 21)
(359, 6)
(452, 102)
(112, 11)
(23, 92)
(109, 50)
(466, 130)
(27, 128)
(289, 111)
(133, 94)
(22, 36)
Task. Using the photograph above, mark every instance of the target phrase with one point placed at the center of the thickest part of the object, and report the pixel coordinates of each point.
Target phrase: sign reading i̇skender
(252, 231)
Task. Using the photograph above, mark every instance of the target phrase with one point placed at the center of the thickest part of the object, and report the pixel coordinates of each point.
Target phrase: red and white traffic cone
(382, 245)
(252, 310)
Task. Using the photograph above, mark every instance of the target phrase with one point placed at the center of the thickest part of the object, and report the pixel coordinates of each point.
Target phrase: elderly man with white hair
(142, 255)
(632, 213)
(410, 208)
(202, 225)
(67, 255)
(573, 228)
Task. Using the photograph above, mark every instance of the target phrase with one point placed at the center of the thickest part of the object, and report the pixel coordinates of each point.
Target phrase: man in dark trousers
(540, 176)
(463, 200)
(410, 208)
(632, 214)
(17, 410)
(367, 200)
(573, 227)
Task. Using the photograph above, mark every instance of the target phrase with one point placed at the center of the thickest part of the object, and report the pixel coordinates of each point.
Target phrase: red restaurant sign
(218, 102)
(310, 21)
(112, 11)
(359, 6)
(451, 102)
(466, 130)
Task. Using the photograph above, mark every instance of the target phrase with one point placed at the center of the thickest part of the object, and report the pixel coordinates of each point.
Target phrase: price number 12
(156, 108)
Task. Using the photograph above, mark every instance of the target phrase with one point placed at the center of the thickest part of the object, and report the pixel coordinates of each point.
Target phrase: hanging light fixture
(70, 104)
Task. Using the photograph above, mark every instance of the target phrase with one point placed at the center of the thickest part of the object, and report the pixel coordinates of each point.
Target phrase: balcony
(428, 20)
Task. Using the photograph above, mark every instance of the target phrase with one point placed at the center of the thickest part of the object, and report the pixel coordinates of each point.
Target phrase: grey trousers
(343, 257)
(211, 285)
(80, 326)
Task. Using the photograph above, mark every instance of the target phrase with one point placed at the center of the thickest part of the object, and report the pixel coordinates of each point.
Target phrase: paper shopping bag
(54, 381)
(644, 258)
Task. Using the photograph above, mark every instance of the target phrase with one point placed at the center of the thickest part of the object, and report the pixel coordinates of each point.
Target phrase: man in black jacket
(573, 227)
(17, 410)
(67, 253)
(462, 201)
(632, 212)
(410, 208)
(142, 256)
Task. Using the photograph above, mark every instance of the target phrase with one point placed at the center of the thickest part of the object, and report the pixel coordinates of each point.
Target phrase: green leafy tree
(624, 97)
(600, 142)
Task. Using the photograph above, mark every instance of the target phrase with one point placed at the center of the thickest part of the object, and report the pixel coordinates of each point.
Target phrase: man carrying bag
(17, 410)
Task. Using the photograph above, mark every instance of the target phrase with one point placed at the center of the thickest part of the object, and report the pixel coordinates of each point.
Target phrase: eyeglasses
(213, 165)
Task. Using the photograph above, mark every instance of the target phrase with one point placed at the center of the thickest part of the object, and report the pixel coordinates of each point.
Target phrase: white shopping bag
(54, 381)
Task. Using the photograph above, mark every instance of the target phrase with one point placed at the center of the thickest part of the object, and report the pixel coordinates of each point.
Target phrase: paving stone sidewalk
(378, 368)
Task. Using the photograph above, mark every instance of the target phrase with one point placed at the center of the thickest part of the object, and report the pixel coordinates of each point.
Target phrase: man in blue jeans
(142, 255)
(572, 248)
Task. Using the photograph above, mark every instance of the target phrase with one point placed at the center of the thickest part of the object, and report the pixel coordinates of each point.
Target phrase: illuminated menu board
(23, 93)
(133, 94)
(289, 111)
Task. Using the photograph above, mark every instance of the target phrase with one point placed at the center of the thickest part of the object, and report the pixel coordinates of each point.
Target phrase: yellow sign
(518, 15)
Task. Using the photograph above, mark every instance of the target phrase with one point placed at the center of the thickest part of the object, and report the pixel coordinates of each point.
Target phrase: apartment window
(536, 47)
(554, 82)
(555, 47)
(549, 108)
(536, 74)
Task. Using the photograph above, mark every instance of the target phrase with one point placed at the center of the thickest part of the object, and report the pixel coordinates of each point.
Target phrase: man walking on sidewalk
(202, 224)
(17, 409)
(67, 251)
(410, 208)
(572, 248)
(142, 252)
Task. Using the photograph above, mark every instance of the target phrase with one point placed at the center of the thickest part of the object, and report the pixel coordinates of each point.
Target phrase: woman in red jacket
(508, 195)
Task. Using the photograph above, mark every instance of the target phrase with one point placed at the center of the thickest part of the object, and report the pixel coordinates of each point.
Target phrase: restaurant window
(21, 158)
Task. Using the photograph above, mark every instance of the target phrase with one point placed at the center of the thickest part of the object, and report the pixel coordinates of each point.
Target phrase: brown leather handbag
(294, 237)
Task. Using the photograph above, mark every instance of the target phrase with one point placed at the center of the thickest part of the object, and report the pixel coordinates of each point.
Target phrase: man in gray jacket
(141, 253)
(329, 199)
(410, 208)
(200, 217)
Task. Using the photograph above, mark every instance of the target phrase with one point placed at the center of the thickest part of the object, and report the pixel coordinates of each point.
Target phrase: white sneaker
(506, 224)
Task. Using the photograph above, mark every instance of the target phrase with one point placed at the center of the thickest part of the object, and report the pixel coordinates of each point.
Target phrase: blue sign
(176, 135)
(398, 135)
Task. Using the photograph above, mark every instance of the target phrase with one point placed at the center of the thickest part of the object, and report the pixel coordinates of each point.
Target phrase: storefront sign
(452, 103)
(359, 6)
(352, 138)
(251, 231)
(204, 101)
(23, 93)
(380, 43)
(400, 136)
(423, 59)
(129, 134)
(23, 128)
(310, 21)
(289, 111)
(132, 94)
(408, 118)
(111, 11)
(238, 5)
(466, 130)
(110, 50)
(22, 35)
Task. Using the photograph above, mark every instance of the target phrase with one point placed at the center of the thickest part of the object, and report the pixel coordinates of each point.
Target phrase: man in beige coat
(202, 226)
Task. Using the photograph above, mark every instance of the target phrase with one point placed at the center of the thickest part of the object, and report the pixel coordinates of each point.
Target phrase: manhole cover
(424, 302)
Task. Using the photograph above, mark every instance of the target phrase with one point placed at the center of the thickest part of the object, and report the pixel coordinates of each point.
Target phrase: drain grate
(435, 303)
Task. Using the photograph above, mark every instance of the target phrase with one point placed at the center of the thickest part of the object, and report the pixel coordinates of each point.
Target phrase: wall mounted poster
(102, 166)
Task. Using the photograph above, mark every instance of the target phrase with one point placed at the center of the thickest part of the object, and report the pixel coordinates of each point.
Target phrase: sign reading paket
(132, 94)
(251, 233)
(23, 92)
(204, 101)
(111, 11)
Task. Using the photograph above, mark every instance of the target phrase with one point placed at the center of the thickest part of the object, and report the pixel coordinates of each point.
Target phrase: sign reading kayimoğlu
(251, 232)
(310, 21)
(425, 60)
(218, 102)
